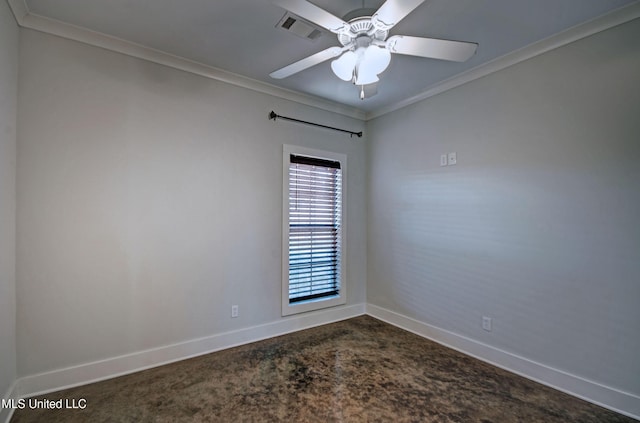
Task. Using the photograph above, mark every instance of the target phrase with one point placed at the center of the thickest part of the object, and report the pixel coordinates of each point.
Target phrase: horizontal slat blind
(315, 196)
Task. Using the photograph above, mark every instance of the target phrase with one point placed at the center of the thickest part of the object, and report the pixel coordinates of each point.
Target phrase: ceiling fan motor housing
(361, 27)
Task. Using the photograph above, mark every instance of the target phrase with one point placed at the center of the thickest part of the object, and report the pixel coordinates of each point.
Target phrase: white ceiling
(240, 36)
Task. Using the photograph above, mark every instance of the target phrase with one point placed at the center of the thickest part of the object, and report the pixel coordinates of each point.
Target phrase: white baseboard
(113, 367)
(611, 398)
(604, 396)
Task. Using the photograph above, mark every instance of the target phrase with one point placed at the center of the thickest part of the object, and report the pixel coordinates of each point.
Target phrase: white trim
(51, 26)
(288, 309)
(113, 367)
(86, 36)
(616, 400)
(6, 413)
(609, 20)
(621, 402)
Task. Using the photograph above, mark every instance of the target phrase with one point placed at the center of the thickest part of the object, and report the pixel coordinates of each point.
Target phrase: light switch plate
(443, 160)
(453, 159)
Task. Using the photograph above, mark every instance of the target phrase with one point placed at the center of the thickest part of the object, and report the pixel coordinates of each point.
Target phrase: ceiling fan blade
(369, 90)
(314, 14)
(456, 51)
(307, 62)
(393, 11)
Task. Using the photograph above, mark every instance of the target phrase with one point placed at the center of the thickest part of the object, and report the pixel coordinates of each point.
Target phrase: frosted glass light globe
(376, 59)
(344, 65)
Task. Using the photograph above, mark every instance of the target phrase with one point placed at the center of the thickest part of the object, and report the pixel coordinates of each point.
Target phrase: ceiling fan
(366, 50)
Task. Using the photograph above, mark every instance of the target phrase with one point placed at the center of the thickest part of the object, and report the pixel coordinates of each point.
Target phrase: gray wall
(536, 226)
(8, 105)
(150, 202)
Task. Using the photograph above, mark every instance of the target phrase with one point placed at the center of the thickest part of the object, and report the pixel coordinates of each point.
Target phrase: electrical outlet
(234, 311)
(453, 159)
(443, 160)
(486, 323)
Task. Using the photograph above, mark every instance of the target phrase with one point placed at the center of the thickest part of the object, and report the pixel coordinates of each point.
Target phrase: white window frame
(319, 303)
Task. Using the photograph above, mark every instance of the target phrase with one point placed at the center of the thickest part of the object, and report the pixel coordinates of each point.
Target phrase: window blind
(315, 211)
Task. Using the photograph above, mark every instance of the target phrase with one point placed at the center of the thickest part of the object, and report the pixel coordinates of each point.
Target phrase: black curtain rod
(275, 116)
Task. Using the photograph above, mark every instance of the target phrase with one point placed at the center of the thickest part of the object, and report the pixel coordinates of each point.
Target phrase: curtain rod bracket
(274, 116)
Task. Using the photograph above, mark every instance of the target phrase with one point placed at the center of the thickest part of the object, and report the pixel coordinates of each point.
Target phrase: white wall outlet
(486, 323)
(234, 311)
(443, 160)
(453, 159)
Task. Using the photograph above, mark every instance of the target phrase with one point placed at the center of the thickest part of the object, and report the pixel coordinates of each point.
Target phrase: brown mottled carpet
(358, 370)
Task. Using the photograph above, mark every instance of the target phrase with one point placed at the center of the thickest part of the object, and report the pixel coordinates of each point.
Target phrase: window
(313, 230)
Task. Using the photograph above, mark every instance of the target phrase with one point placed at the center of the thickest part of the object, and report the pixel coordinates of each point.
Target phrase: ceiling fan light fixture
(376, 59)
(344, 66)
(372, 61)
(366, 49)
(364, 76)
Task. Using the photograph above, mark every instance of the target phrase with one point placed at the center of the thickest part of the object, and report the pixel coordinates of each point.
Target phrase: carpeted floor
(358, 370)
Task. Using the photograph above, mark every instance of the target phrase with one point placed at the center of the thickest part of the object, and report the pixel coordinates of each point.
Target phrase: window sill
(311, 305)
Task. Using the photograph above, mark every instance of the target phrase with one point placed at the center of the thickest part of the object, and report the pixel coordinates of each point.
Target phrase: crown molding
(29, 20)
(26, 19)
(575, 33)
